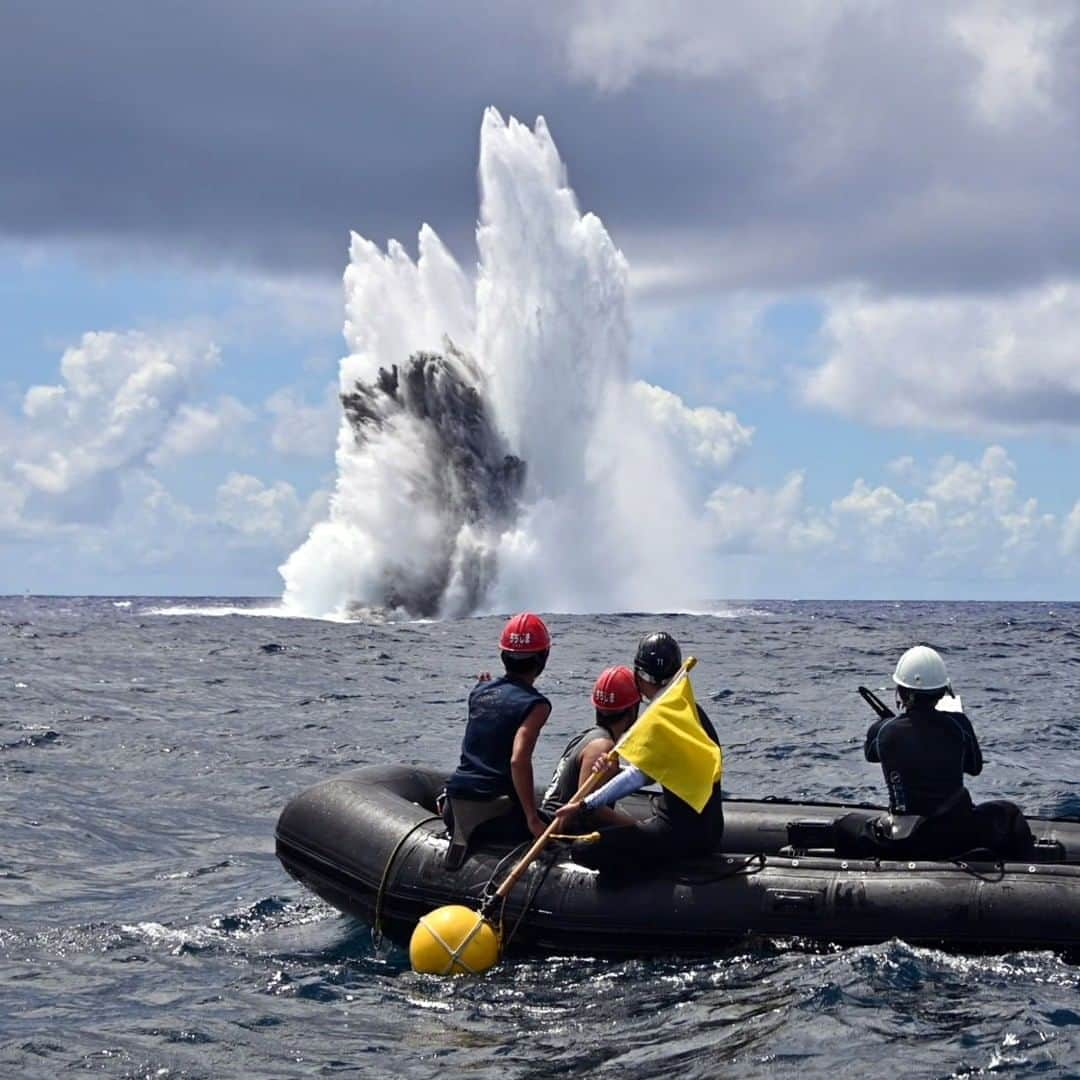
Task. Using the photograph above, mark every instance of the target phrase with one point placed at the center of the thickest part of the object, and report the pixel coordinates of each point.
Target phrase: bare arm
(521, 769)
(592, 753)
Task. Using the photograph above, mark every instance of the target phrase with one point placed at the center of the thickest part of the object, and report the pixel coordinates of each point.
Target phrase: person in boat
(675, 829)
(616, 699)
(924, 753)
(505, 718)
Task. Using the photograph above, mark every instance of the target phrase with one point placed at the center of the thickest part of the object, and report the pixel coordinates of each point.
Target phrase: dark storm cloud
(256, 130)
(262, 132)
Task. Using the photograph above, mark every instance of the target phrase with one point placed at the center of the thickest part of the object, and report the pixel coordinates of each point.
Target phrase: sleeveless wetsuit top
(564, 780)
(496, 711)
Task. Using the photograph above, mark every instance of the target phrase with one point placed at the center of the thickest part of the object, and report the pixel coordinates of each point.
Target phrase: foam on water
(271, 611)
(494, 453)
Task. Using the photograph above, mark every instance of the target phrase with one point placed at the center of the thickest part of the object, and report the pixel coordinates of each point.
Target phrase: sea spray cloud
(492, 451)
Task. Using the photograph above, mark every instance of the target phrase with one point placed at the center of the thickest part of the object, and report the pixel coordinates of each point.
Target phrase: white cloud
(752, 520)
(783, 49)
(301, 429)
(613, 42)
(118, 396)
(1070, 532)
(12, 501)
(966, 521)
(904, 468)
(266, 514)
(711, 438)
(79, 498)
(965, 364)
(1012, 48)
(196, 429)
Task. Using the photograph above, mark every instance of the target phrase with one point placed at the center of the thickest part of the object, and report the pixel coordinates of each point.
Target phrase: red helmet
(525, 633)
(615, 690)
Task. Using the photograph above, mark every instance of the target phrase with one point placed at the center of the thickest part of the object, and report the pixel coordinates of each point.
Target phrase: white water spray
(492, 455)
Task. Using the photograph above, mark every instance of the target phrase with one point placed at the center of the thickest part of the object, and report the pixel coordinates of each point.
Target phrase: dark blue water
(147, 930)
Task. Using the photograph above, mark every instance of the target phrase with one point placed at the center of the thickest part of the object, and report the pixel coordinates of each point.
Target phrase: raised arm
(629, 780)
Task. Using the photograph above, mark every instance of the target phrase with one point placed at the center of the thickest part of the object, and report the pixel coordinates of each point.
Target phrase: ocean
(147, 929)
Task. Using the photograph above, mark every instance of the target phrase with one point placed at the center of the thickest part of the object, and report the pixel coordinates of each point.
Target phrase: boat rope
(376, 922)
(752, 864)
(999, 868)
(488, 894)
(490, 890)
(506, 938)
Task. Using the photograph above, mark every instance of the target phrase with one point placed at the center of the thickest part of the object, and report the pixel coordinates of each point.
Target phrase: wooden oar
(455, 940)
(526, 860)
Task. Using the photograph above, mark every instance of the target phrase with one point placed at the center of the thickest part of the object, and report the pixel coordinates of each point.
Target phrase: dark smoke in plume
(463, 472)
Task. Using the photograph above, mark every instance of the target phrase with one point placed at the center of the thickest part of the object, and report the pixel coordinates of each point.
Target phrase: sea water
(147, 930)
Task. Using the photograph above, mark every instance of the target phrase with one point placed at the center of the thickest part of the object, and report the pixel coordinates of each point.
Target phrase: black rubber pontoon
(362, 839)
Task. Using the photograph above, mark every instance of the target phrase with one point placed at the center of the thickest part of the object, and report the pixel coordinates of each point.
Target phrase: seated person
(505, 718)
(924, 753)
(615, 698)
(675, 829)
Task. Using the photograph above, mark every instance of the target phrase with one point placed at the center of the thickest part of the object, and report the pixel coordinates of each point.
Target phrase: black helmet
(658, 658)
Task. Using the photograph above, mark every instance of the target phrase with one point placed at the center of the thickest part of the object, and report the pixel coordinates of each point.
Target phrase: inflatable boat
(370, 844)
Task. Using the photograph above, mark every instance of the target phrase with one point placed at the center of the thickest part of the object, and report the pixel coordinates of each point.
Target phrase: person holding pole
(672, 741)
(675, 744)
(616, 700)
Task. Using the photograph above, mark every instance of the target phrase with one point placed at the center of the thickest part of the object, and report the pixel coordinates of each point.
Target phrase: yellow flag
(670, 745)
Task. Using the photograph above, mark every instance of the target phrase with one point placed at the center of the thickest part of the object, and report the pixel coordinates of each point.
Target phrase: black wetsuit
(565, 779)
(497, 708)
(924, 754)
(675, 830)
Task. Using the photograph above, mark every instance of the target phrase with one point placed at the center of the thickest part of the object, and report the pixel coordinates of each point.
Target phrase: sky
(852, 232)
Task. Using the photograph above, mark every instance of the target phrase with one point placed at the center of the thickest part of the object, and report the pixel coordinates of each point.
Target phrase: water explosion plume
(492, 453)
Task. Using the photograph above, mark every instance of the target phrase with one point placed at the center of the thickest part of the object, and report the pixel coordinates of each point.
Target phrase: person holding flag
(674, 744)
(616, 699)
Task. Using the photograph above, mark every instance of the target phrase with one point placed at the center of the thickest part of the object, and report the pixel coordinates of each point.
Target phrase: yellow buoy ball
(453, 940)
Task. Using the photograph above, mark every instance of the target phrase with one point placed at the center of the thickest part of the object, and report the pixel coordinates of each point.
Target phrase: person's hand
(603, 763)
(568, 811)
(537, 825)
(484, 676)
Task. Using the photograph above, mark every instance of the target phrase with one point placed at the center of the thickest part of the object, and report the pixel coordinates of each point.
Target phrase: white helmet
(921, 668)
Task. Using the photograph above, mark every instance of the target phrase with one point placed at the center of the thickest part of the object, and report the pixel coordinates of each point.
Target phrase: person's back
(565, 779)
(505, 718)
(497, 708)
(924, 753)
(615, 698)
